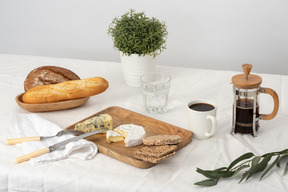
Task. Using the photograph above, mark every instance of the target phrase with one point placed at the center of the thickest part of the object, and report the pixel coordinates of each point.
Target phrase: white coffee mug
(202, 118)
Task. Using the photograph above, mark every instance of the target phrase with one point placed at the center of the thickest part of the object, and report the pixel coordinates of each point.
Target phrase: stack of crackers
(158, 148)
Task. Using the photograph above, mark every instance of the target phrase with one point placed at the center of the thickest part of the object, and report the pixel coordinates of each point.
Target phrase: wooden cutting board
(152, 127)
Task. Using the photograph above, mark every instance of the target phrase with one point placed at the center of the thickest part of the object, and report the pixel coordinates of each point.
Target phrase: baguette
(66, 90)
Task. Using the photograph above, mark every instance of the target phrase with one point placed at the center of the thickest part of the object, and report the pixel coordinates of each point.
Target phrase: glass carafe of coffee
(246, 88)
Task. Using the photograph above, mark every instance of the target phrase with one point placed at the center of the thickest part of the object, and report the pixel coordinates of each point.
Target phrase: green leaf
(283, 151)
(241, 158)
(281, 158)
(220, 169)
(259, 166)
(263, 164)
(207, 183)
(214, 174)
(240, 168)
(226, 174)
(243, 176)
(271, 166)
(254, 162)
(286, 169)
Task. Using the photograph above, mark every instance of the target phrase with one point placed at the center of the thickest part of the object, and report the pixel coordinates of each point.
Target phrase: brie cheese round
(133, 134)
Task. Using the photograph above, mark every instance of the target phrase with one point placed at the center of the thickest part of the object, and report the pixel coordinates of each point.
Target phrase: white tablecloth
(177, 173)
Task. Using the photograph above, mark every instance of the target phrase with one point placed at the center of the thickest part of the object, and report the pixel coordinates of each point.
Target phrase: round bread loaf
(47, 75)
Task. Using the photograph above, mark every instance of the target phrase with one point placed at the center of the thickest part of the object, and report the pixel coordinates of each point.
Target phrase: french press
(246, 88)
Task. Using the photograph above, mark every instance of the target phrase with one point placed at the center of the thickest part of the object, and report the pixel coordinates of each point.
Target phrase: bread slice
(162, 140)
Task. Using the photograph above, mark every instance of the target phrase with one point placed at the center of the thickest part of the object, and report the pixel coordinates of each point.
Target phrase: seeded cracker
(162, 140)
(154, 159)
(156, 151)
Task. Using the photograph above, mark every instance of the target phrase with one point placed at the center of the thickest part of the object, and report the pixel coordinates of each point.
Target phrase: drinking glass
(155, 90)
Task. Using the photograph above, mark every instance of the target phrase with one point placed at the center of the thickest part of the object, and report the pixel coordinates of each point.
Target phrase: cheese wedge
(101, 122)
(112, 137)
(133, 134)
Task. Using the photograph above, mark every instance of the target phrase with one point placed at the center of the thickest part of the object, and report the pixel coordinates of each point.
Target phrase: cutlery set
(50, 148)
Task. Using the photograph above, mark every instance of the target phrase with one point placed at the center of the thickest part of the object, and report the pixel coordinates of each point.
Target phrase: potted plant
(139, 39)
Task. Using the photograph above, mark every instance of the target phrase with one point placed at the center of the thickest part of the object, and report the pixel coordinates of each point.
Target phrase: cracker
(162, 140)
(156, 151)
(154, 159)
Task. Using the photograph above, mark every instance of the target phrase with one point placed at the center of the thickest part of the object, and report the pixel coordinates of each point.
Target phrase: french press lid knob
(246, 80)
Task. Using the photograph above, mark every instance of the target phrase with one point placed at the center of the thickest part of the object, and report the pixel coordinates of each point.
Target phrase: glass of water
(155, 90)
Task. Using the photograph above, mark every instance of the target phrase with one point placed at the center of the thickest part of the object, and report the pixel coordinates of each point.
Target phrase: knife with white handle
(53, 147)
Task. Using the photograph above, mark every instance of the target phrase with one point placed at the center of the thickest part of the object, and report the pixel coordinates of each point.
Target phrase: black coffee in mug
(201, 107)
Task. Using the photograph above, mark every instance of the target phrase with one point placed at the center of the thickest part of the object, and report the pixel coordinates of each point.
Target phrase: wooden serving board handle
(276, 103)
(31, 155)
(20, 140)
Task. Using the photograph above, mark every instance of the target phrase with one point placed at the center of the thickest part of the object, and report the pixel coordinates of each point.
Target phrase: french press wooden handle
(276, 103)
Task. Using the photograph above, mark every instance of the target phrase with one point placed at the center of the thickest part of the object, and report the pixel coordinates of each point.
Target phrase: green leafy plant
(254, 164)
(135, 33)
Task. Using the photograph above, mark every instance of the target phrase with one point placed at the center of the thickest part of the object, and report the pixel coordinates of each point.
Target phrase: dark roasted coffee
(201, 107)
(244, 116)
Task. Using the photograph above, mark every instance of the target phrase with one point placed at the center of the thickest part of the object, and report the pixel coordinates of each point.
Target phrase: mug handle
(214, 126)
(276, 103)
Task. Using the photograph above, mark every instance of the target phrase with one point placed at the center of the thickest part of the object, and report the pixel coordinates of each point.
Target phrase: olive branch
(254, 164)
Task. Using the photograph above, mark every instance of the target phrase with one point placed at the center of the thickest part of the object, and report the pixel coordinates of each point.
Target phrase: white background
(215, 34)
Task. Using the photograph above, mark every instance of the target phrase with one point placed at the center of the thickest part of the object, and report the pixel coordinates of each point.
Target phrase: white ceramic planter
(134, 66)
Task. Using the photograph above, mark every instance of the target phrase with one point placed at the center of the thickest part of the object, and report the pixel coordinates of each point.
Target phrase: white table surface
(177, 173)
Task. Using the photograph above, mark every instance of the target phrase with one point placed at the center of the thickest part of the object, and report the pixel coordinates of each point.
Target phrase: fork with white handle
(40, 138)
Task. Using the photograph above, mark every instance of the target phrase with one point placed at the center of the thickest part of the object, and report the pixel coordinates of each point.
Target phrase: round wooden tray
(55, 106)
